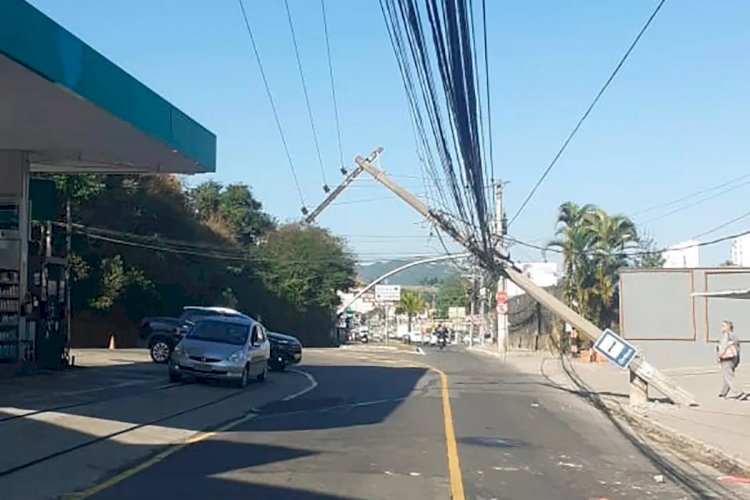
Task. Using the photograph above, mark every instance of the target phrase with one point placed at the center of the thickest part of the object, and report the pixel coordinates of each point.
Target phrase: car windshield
(219, 331)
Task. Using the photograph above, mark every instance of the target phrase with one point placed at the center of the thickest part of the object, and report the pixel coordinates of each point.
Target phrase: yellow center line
(454, 468)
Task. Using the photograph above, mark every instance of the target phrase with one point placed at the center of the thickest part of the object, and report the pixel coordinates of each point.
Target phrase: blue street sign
(615, 348)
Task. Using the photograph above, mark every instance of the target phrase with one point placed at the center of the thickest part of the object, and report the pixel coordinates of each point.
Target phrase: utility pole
(502, 285)
(310, 218)
(482, 309)
(472, 300)
(500, 262)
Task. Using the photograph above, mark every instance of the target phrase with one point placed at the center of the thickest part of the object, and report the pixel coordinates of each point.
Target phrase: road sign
(615, 348)
(349, 312)
(502, 308)
(387, 293)
(501, 297)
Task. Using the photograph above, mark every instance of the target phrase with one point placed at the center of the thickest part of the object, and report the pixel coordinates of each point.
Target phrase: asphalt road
(375, 427)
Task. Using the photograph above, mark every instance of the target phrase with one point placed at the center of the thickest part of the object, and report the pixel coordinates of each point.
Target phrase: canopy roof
(73, 110)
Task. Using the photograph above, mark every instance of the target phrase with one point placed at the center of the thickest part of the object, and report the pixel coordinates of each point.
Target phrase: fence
(530, 326)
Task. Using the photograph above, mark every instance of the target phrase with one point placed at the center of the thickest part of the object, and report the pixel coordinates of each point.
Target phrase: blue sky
(675, 120)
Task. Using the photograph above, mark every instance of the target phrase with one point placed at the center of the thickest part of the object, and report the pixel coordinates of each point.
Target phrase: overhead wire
(691, 195)
(333, 86)
(306, 94)
(586, 114)
(722, 225)
(273, 105)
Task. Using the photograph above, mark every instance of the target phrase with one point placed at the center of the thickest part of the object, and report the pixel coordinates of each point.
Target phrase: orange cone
(111, 342)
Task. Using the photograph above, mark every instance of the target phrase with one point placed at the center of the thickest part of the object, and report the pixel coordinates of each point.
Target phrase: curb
(682, 443)
(677, 441)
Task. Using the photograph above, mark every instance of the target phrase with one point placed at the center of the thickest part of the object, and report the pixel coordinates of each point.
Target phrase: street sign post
(615, 348)
(387, 293)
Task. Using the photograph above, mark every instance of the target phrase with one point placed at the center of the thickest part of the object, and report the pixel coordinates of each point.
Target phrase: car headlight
(237, 356)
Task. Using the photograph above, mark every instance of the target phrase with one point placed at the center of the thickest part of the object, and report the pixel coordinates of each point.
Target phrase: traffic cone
(111, 342)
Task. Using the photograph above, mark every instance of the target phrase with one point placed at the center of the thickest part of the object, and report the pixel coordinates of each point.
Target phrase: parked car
(285, 350)
(160, 334)
(232, 348)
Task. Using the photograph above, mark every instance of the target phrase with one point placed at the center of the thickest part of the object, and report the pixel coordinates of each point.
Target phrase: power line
(697, 202)
(690, 196)
(273, 105)
(586, 114)
(307, 97)
(722, 225)
(640, 253)
(333, 87)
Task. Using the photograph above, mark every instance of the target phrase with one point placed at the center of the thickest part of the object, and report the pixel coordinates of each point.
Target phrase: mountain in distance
(369, 271)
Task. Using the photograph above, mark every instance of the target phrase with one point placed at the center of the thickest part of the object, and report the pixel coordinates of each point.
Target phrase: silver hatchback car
(229, 348)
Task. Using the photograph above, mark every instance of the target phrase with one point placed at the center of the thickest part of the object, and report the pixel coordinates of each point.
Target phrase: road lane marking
(313, 385)
(172, 449)
(454, 468)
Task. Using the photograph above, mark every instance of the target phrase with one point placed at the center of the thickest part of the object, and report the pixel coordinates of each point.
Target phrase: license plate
(202, 368)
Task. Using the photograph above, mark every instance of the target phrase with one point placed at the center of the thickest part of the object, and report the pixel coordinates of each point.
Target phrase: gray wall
(672, 328)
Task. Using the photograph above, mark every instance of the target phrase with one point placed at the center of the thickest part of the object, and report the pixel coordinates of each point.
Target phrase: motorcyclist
(442, 335)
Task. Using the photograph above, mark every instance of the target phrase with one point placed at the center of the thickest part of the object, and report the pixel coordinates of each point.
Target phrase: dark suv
(285, 350)
(162, 333)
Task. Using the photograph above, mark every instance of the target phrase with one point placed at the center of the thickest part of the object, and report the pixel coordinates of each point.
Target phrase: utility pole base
(638, 390)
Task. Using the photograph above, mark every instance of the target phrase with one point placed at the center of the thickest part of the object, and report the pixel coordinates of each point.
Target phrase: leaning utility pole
(310, 218)
(502, 285)
(641, 372)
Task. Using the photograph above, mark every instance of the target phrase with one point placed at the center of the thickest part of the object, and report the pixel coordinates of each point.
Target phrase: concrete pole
(502, 318)
(482, 308)
(472, 299)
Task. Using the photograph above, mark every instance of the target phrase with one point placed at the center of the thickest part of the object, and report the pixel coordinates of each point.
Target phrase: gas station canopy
(72, 110)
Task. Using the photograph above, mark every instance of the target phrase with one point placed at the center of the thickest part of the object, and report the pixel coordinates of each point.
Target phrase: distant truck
(162, 333)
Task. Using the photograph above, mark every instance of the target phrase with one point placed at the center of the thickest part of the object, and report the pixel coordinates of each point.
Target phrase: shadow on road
(341, 388)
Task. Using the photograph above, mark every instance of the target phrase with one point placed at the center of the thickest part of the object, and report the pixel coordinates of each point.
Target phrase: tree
(411, 304)
(452, 293)
(649, 255)
(307, 265)
(594, 246)
(232, 207)
(727, 263)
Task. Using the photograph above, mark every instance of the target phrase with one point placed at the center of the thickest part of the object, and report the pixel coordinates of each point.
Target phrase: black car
(285, 350)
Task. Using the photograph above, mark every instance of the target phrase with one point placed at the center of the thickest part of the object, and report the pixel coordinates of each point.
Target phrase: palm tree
(411, 304)
(593, 245)
(573, 240)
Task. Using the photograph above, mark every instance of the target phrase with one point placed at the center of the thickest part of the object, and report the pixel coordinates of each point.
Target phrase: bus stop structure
(64, 108)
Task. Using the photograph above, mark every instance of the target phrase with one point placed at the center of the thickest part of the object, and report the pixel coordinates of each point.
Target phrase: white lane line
(420, 351)
(310, 378)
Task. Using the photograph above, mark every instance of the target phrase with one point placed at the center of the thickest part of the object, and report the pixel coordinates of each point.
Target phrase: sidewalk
(717, 431)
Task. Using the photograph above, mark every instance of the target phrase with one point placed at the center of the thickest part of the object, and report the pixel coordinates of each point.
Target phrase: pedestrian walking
(728, 356)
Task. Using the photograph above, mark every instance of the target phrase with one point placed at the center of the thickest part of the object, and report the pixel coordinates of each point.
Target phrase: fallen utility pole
(641, 372)
(310, 218)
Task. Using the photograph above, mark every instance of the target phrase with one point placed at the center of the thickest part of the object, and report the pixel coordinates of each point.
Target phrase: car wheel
(264, 374)
(245, 376)
(160, 350)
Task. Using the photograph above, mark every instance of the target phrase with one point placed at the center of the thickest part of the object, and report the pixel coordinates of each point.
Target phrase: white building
(682, 255)
(363, 305)
(543, 274)
(741, 251)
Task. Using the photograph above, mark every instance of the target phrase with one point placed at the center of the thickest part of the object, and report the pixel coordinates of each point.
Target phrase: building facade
(544, 274)
(741, 251)
(682, 255)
